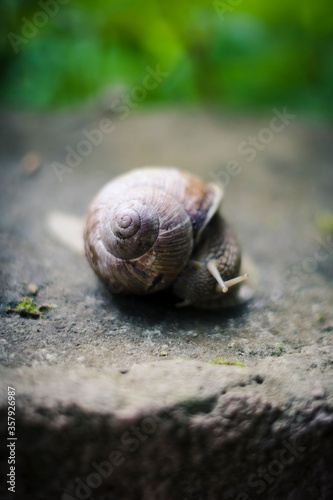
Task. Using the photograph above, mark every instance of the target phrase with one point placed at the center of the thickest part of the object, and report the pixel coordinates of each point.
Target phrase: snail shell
(156, 227)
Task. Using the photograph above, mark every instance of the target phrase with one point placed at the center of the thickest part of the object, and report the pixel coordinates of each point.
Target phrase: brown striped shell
(143, 226)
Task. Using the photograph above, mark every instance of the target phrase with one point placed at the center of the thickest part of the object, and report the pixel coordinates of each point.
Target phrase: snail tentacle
(232, 282)
(223, 286)
(212, 268)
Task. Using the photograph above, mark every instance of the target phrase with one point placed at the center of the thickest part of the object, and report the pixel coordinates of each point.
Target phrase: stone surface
(180, 430)
(83, 372)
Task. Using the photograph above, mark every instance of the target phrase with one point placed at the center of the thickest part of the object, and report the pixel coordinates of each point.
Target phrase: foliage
(257, 54)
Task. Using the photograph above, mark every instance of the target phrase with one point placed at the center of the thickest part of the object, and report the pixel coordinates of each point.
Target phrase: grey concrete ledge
(172, 430)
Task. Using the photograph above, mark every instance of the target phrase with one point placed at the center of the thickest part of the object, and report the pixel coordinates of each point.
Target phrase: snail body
(155, 228)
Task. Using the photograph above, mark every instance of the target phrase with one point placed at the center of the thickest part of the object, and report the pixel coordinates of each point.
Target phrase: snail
(155, 228)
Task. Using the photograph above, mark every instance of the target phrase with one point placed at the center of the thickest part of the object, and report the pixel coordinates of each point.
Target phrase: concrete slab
(276, 202)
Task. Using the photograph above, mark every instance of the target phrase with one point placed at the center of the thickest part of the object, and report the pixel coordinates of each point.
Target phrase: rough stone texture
(182, 430)
(83, 373)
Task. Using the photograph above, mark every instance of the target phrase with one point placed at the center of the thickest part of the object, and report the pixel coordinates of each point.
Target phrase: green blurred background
(251, 56)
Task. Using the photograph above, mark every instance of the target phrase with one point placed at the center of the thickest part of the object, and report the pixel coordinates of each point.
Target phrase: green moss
(278, 350)
(222, 361)
(27, 308)
(324, 221)
(46, 307)
(27, 304)
(320, 318)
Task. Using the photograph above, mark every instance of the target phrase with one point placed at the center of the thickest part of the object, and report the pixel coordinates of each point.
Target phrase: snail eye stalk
(223, 286)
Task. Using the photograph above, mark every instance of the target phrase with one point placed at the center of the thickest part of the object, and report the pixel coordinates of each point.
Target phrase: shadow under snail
(158, 227)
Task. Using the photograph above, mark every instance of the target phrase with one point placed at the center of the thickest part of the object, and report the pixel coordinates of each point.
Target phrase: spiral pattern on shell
(129, 228)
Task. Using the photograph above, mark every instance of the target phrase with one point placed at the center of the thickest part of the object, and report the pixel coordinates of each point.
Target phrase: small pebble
(33, 289)
(318, 392)
(31, 162)
(124, 370)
